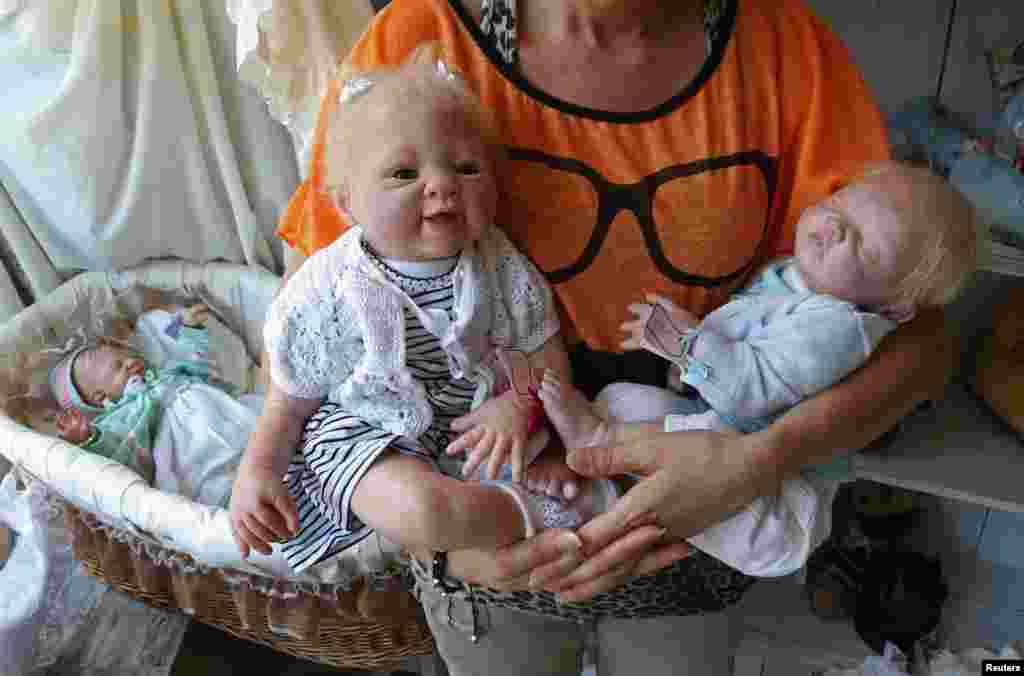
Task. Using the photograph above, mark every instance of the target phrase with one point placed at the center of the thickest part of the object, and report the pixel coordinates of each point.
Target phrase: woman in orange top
(654, 147)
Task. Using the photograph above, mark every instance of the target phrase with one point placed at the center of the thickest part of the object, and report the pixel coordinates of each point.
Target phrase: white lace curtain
(128, 133)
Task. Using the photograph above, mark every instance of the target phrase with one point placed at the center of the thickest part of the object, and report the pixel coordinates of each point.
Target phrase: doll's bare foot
(575, 419)
(552, 476)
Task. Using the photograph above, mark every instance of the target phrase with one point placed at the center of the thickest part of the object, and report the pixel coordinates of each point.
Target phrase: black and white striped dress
(337, 448)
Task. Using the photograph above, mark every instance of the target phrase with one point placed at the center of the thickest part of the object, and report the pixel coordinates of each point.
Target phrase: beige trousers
(516, 643)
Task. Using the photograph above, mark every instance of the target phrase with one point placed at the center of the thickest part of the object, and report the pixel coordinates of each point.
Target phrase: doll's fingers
(473, 460)
(253, 540)
(677, 313)
(639, 310)
(656, 299)
(502, 451)
(486, 449)
(278, 518)
(264, 525)
(517, 461)
(464, 422)
(631, 344)
(286, 508)
(633, 329)
(465, 440)
(240, 542)
(663, 301)
(494, 464)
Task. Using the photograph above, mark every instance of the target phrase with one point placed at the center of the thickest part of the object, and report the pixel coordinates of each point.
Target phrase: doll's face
(101, 373)
(423, 185)
(856, 245)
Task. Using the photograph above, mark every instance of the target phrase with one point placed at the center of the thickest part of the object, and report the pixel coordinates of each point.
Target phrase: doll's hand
(496, 431)
(658, 327)
(73, 426)
(261, 510)
(195, 316)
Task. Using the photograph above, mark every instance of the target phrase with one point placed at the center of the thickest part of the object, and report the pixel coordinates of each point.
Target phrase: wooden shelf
(957, 448)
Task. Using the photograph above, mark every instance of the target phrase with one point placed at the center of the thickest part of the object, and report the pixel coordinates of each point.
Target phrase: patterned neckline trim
(408, 282)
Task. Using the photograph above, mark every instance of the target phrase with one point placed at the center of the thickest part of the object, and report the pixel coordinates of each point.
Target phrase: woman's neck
(605, 23)
(572, 51)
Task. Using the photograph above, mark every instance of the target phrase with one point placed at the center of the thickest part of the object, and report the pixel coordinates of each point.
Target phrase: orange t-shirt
(684, 199)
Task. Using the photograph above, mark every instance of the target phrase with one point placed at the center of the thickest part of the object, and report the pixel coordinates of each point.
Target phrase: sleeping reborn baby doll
(165, 413)
(896, 241)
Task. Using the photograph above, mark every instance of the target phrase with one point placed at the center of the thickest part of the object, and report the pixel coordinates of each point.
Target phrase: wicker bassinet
(171, 552)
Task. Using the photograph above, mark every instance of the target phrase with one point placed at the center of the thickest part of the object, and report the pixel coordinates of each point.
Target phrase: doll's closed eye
(870, 258)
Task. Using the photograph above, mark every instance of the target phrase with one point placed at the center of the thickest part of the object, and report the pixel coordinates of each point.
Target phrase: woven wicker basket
(169, 552)
(338, 634)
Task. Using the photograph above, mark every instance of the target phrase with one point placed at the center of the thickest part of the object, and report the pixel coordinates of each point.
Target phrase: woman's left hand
(690, 480)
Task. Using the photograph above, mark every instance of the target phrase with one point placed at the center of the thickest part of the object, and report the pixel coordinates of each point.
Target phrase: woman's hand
(509, 568)
(691, 480)
(552, 555)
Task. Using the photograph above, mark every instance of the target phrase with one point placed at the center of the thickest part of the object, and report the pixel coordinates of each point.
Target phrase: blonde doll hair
(421, 84)
(956, 239)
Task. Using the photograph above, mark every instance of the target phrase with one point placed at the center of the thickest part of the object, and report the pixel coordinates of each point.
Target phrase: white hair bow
(355, 87)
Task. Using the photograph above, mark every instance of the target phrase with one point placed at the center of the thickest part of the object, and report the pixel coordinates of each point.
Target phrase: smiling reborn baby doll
(383, 346)
(895, 241)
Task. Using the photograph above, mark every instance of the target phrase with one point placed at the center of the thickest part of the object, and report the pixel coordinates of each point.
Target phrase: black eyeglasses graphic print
(639, 199)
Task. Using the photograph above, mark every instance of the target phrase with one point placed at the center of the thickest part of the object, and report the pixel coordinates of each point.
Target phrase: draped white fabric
(288, 48)
(128, 135)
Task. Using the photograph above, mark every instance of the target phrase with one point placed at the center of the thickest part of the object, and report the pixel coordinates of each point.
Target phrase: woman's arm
(696, 479)
(913, 364)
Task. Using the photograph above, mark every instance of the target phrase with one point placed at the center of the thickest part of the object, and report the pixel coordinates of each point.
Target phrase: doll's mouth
(443, 219)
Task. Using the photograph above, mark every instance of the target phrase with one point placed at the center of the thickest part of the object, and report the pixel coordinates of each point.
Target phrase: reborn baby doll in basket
(158, 403)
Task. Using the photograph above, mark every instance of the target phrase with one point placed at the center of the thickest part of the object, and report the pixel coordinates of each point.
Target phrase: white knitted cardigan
(337, 329)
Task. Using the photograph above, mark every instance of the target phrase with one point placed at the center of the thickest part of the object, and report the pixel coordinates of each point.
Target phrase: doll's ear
(898, 312)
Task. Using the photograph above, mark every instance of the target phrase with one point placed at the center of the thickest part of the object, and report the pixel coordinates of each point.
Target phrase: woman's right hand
(262, 511)
(550, 556)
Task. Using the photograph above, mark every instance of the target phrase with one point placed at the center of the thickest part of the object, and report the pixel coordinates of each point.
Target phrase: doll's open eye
(468, 168)
(404, 174)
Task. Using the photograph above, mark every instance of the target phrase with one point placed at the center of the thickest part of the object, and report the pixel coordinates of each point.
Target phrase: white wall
(898, 46)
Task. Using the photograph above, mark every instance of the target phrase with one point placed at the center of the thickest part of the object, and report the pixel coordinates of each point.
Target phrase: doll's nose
(441, 186)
